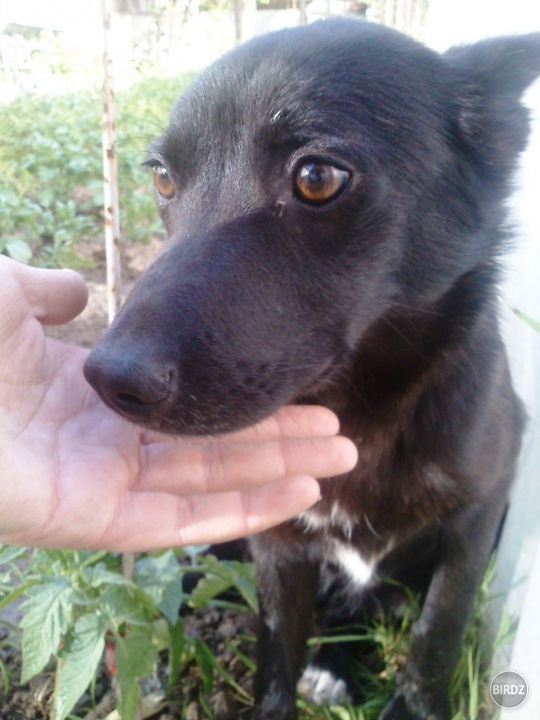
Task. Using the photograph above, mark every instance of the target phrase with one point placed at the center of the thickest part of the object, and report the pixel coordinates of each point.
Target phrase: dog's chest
(335, 531)
(337, 518)
(350, 561)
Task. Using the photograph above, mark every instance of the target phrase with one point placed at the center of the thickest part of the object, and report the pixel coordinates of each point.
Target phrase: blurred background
(158, 36)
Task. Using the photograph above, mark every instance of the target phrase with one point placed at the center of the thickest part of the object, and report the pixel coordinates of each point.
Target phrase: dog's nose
(133, 387)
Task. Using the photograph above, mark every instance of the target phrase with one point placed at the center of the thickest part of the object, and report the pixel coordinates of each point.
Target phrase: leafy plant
(220, 576)
(78, 605)
(77, 602)
(51, 193)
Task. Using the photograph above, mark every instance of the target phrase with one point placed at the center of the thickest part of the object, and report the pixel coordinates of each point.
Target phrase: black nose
(136, 388)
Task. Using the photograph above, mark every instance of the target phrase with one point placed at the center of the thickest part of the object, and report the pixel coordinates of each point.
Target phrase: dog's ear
(492, 75)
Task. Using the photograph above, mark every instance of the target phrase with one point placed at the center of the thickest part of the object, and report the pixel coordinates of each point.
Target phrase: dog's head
(310, 182)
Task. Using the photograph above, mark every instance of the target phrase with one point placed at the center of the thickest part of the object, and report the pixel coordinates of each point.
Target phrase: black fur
(379, 303)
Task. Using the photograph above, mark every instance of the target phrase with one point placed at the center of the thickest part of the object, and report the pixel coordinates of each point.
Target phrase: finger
(221, 466)
(153, 521)
(291, 421)
(55, 296)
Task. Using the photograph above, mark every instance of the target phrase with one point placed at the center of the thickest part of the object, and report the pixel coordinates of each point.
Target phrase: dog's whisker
(417, 309)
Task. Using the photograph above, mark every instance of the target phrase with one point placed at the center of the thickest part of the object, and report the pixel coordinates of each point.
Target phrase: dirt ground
(216, 627)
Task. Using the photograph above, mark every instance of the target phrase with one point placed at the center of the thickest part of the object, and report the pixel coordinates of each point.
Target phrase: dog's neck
(405, 352)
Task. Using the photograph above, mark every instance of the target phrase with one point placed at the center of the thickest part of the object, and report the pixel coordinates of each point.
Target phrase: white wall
(518, 563)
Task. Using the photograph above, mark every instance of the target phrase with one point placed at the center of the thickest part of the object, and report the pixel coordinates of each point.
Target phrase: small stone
(227, 629)
(192, 712)
(223, 706)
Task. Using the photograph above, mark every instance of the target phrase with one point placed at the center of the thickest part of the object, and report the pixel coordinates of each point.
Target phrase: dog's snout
(134, 388)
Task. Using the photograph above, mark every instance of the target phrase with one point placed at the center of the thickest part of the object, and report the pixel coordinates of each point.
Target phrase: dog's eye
(163, 182)
(319, 182)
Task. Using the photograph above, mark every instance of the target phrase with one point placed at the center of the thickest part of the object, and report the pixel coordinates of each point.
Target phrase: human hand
(75, 474)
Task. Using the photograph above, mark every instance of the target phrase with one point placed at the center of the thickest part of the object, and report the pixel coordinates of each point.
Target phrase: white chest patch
(341, 553)
(352, 563)
(338, 518)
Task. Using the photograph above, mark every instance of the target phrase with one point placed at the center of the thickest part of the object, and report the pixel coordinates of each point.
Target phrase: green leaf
(18, 250)
(136, 656)
(89, 557)
(176, 651)
(473, 672)
(527, 319)
(46, 620)
(99, 575)
(129, 698)
(194, 551)
(136, 653)
(123, 604)
(78, 663)
(9, 553)
(207, 589)
(161, 633)
(17, 592)
(222, 575)
(206, 662)
(225, 675)
(160, 578)
(248, 662)
(535, 324)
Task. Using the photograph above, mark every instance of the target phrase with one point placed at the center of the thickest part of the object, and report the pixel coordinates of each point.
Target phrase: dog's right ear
(492, 76)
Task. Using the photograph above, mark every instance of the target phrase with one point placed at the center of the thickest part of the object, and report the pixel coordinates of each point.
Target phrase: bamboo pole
(112, 206)
(110, 175)
(112, 209)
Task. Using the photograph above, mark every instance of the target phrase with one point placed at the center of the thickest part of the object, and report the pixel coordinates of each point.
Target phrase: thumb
(53, 296)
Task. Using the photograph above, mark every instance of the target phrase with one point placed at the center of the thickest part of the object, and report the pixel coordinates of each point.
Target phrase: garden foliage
(51, 186)
(77, 604)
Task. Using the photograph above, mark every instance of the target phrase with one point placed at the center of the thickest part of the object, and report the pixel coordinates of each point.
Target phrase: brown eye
(163, 182)
(319, 182)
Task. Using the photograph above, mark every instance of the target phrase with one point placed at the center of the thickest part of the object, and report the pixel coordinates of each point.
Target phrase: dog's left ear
(492, 75)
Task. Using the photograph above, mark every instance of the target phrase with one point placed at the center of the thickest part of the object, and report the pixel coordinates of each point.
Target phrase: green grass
(387, 645)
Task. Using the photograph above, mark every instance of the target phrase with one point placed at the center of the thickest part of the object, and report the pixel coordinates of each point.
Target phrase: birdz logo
(508, 689)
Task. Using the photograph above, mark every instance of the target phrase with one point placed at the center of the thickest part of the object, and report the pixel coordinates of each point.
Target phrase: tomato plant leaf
(160, 579)
(78, 663)
(46, 619)
(136, 656)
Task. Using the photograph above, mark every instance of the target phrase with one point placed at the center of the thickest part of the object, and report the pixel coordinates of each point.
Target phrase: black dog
(334, 195)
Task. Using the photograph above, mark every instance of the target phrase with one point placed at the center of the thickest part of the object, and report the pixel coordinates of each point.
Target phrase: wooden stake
(110, 176)
(112, 211)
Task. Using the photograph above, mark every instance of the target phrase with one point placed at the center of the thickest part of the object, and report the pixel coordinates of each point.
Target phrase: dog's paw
(322, 687)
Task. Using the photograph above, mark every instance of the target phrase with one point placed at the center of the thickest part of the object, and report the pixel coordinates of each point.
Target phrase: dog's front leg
(467, 540)
(287, 581)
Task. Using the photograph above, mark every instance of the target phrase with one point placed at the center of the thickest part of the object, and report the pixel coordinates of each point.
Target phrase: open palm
(75, 474)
